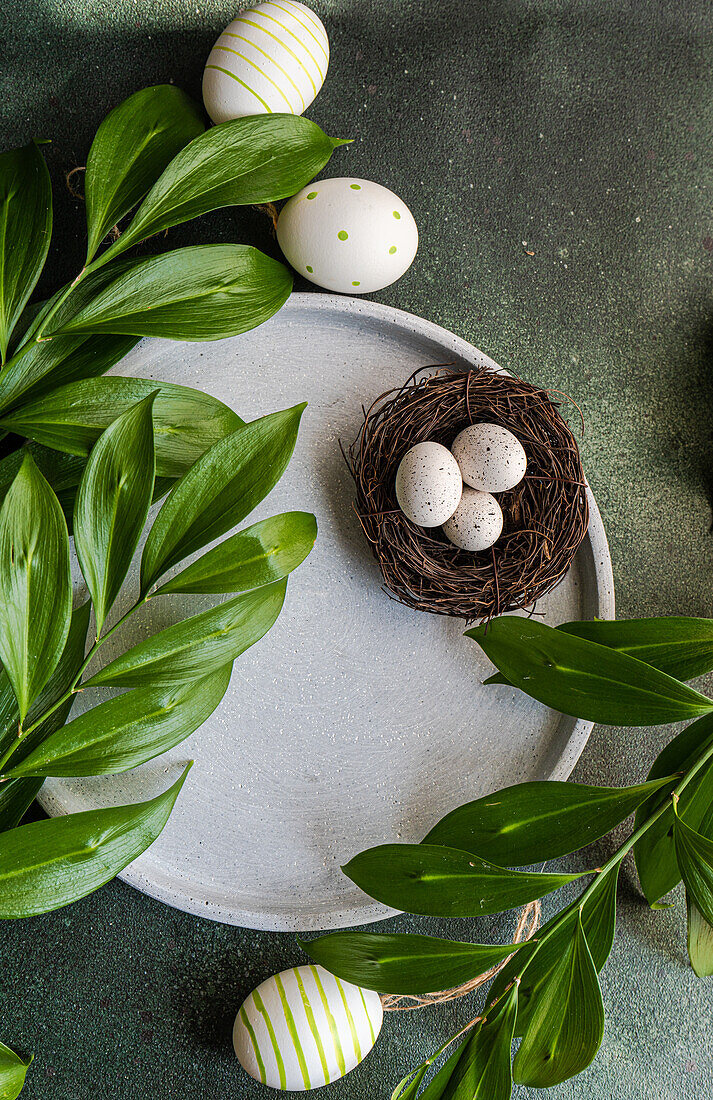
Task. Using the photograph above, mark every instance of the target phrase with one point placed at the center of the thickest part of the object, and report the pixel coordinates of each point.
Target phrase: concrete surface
(582, 128)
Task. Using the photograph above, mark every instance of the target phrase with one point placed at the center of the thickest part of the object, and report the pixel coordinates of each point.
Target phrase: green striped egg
(303, 1028)
(272, 58)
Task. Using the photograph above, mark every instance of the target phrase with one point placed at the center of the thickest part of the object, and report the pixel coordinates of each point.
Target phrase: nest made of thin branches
(546, 515)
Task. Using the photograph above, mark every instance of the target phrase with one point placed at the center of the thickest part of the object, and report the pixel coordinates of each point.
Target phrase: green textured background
(584, 129)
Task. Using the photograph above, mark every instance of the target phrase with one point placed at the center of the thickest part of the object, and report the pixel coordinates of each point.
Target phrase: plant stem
(75, 686)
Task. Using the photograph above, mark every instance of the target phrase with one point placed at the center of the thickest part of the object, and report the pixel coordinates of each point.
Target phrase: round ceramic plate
(355, 721)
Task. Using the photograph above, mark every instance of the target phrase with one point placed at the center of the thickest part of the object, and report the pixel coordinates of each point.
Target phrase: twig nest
(544, 516)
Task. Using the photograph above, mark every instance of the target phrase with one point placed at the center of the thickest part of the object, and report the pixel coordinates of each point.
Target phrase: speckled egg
(304, 1028)
(428, 484)
(349, 235)
(273, 57)
(490, 457)
(476, 523)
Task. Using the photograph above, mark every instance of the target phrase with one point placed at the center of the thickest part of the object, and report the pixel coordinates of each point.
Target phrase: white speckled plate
(355, 721)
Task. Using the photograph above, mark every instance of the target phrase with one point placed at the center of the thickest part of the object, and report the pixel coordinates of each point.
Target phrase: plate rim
(176, 895)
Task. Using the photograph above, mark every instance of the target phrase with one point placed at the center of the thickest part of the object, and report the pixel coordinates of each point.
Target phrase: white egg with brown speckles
(477, 522)
(490, 457)
(428, 484)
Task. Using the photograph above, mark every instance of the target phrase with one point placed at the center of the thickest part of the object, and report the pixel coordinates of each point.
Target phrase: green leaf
(35, 586)
(258, 159)
(682, 647)
(537, 960)
(694, 854)
(113, 503)
(132, 147)
(128, 730)
(700, 941)
(483, 1070)
(25, 231)
(566, 1027)
(408, 1086)
(654, 851)
(16, 797)
(58, 684)
(12, 1073)
(220, 490)
(535, 822)
(49, 864)
(584, 679)
(50, 364)
(444, 882)
(392, 962)
(261, 554)
(203, 292)
(196, 646)
(71, 419)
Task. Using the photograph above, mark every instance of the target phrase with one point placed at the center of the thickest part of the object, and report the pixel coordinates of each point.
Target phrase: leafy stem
(73, 689)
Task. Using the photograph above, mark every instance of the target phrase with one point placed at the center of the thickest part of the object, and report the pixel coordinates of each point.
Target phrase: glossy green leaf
(25, 231)
(261, 554)
(58, 684)
(35, 586)
(392, 962)
(694, 854)
(678, 645)
(54, 363)
(49, 864)
(13, 1070)
(220, 490)
(583, 679)
(132, 147)
(71, 419)
(257, 159)
(537, 959)
(16, 797)
(534, 822)
(444, 882)
(203, 292)
(700, 941)
(566, 1026)
(128, 730)
(434, 1088)
(196, 646)
(483, 1071)
(654, 852)
(113, 502)
(408, 1087)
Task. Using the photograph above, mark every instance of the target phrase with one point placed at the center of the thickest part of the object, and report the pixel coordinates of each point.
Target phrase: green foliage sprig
(154, 151)
(97, 452)
(547, 994)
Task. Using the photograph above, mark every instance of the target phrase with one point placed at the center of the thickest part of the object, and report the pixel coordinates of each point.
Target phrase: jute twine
(527, 924)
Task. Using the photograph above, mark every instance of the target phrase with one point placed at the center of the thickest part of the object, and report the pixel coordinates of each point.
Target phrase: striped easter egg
(271, 58)
(303, 1028)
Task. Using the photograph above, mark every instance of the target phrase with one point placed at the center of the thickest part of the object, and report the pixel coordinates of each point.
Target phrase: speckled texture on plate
(356, 721)
(581, 127)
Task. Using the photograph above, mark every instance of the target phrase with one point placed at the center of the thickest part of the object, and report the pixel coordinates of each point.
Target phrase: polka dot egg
(349, 235)
(304, 1028)
(272, 58)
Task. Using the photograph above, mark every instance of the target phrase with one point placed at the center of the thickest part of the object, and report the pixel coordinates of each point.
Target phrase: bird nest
(545, 516)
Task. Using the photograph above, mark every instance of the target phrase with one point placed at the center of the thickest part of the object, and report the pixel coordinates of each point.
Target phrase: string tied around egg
(527, 924)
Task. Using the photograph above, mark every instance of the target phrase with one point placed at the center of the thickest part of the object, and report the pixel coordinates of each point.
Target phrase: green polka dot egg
(272, 58)
(304, 1028)
(349, 235)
